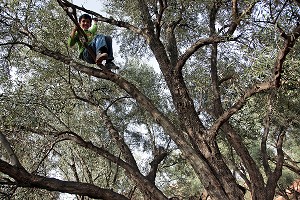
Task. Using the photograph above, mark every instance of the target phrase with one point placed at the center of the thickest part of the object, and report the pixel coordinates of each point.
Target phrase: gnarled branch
(27, 180)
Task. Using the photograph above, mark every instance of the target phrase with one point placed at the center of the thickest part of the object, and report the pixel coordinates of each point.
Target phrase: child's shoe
(111, 65)
(100, 57)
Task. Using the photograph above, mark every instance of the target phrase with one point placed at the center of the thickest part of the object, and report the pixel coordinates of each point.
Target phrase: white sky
(95, 5)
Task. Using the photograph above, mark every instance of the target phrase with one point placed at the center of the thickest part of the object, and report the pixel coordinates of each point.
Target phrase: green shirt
(90, 36)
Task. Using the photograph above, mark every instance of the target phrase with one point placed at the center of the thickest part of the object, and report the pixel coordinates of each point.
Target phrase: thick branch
(276, 174)
(217, 39)
(158, 158)
(136, 176)
(236, 19)
(172, 43)
(172, 47)
(25, 179)
(289, 42)
(197, 45)
(214, 62)
(159, 15)
(99, 17)
(146, 17)
(256, 179)
(226, 78)
(293, 168)
(291, 164)
(238, 105)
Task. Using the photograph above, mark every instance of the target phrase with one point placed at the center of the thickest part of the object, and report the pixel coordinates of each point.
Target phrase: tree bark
(25, 179)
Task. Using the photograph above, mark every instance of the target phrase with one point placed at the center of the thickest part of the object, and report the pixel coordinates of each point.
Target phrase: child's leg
(99, 44)
(108, 40)
(86, 56)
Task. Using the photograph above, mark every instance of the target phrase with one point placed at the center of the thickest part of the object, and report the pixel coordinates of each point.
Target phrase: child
(100, 44)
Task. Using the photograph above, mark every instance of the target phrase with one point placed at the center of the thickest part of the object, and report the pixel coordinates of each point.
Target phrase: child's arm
(94, 26)
(72, 34)
(72, 40)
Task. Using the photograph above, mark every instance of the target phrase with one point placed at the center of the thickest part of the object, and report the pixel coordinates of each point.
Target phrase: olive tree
(219, 62)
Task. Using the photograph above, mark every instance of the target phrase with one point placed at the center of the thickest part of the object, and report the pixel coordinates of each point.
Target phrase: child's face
(85, 24)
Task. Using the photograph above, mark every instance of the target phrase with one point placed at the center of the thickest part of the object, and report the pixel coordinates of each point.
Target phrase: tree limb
(236, 19)
(216, 39)
(140, 180)
(27, 180)
(110, 20)
(136, 176)
(238, 105)
(197, 45)
(146, 17)
(159, 15)
(276, 174)
(159, 156)
(289, 42)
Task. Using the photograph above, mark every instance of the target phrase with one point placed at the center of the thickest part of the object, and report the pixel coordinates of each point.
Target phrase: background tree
(73, 128)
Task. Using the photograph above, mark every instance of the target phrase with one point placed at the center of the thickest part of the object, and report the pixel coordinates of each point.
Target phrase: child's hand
(72, 34)
(75, 28)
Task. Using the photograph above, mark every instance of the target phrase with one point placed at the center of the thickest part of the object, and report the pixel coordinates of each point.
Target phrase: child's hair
(85, 16)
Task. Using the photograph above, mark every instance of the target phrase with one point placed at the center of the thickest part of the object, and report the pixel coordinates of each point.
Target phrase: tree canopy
(219, 117)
